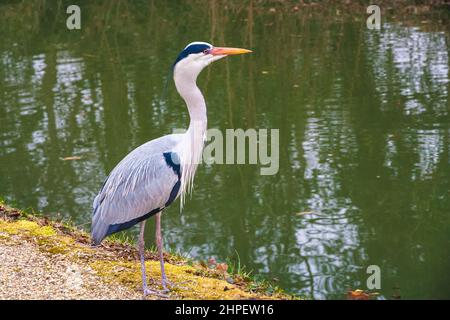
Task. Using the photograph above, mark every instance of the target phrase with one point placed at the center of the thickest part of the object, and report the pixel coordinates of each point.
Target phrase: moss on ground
(118, 262)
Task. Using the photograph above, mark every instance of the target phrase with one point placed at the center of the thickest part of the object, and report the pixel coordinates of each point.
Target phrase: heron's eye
(206, 51)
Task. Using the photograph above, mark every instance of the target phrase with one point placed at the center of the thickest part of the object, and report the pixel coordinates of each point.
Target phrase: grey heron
(156, 173)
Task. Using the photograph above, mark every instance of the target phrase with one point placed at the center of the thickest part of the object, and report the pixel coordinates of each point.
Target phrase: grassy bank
(85, 272)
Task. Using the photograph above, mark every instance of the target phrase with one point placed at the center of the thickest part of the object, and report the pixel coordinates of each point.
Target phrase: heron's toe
(158, 293)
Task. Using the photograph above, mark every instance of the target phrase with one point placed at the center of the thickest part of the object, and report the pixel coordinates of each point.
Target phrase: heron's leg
(141, 245)
(159, 245)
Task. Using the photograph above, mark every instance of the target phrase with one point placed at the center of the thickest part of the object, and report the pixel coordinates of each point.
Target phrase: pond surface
(364, 135)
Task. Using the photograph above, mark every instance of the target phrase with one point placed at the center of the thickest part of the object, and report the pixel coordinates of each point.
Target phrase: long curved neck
(188, 90)
(191, 147)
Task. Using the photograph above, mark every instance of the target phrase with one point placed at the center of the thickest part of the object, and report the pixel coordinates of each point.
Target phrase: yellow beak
(216, 51)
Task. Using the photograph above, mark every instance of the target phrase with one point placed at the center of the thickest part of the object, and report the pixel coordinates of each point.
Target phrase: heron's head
(197, 55)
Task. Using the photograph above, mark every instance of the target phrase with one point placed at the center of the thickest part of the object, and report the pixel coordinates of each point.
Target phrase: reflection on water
(364, 141)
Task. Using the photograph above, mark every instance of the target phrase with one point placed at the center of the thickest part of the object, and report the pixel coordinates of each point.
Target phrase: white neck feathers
(191, 148)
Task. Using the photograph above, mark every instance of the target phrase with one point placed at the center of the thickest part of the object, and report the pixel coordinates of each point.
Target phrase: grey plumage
(140, 184)
(153, 175)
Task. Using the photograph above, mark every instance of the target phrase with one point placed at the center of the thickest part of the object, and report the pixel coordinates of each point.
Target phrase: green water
(364, 135)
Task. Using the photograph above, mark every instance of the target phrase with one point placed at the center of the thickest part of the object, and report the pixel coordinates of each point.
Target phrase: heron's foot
(166, 285)
(158, 293)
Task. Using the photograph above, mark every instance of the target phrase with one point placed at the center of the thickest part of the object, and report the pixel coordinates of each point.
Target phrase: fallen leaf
(71, 158)
(222, 267)
(304, 212)
(357, 294)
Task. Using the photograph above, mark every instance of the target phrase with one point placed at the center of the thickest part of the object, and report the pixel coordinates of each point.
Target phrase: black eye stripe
(196, 48)
(193, 48)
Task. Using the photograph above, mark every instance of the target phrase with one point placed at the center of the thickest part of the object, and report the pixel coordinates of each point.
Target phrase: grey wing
(138, 187)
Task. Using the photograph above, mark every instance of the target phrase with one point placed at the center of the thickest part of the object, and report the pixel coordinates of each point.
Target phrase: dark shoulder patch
(173, 193)
(173, 161)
